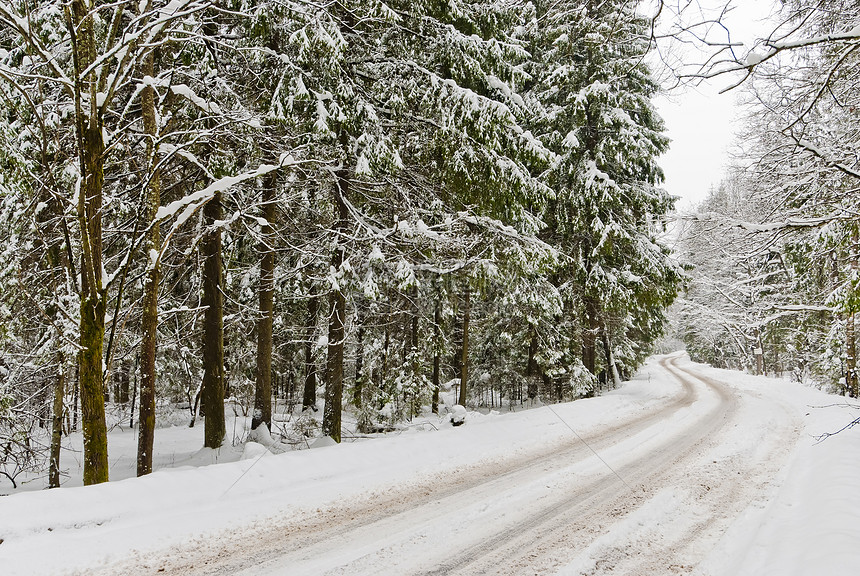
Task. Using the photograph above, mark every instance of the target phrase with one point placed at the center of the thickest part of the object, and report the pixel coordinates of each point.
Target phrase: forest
(772, 252)
(348, 205)
(343, 208)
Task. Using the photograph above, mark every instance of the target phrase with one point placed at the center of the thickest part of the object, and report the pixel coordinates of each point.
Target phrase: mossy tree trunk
(91, 148)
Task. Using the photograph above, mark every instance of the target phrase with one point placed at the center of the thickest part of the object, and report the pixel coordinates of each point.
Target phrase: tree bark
(331, 424)
(611, 368)
(90, 140)
(149, 321)
(263, 390)
(123, 384)
(759, 354)
(57, 428)
(851, 379)
(589, 335)
(850, 356)
(437, 320)
(359, 362)
(532, 369)
(213, 328)
(309, 398)
(92, 391)
(464, 350)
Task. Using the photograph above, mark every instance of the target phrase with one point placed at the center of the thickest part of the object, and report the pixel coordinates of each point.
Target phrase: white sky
(701, 122)
(701, 125)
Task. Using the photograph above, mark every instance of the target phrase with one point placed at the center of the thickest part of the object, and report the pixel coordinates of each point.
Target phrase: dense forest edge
(352, 207)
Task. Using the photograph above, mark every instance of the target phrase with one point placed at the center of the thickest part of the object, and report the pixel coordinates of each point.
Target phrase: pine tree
(598, 118)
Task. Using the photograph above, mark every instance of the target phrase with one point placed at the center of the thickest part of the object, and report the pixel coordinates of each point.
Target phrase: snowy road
(683, 470)
(650, 495)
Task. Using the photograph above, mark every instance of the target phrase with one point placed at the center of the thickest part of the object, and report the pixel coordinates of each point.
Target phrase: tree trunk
(57, 429)
(851, 379)
(309, 398)
(359, 362)
(149, 321)
(386, 344)
(850, 356)
(213, 328)
(414, 320)
(263, 390)
(76, 394)
(412, 356)
(437, 320)
(123, 384)
(532, 369)
(92, 391)
(611, 368)
(89, 211)
(759, 354)
(337, 315)
(589, 335)
(464, 350)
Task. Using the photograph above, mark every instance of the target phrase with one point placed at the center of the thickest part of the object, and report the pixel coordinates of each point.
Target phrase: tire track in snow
(678, 514)
(537, 545)
(532, 514)
(256, 543)
(404, 529)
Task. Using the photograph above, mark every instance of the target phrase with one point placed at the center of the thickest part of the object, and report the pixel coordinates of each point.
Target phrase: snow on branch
(822, 437)
(788, 223)
(853, 34)
(815, 151)
(185, 207)
(22, 27)
(159, 17)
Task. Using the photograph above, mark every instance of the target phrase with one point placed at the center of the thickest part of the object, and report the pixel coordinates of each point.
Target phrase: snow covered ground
(684, 470)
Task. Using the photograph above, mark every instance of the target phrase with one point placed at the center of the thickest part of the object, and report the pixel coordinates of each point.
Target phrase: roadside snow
(93, 526)
(806, 526)
(809, 525)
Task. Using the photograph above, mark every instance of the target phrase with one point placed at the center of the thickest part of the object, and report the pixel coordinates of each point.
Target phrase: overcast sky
(701, 122)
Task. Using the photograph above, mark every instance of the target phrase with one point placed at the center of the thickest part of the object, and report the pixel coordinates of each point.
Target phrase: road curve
(649, 496)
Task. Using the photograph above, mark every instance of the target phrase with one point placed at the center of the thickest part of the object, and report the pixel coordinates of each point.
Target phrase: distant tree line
(774, 249)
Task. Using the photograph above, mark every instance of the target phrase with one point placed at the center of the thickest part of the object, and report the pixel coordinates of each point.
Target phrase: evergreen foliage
(369, 202)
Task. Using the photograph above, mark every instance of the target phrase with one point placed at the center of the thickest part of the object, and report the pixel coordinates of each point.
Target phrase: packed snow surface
(683, 470)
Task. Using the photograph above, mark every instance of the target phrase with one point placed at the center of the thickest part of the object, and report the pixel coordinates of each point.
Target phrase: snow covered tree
(597, 117)
(800, 174)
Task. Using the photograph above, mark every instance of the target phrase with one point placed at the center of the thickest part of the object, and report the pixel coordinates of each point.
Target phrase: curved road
(651, 496)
